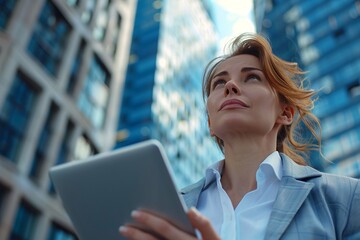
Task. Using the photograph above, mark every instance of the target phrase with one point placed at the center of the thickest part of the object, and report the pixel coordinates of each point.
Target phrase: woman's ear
(287, 115)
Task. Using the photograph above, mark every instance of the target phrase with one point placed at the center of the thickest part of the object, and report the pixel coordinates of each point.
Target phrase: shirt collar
(271, 168)
(213, 172)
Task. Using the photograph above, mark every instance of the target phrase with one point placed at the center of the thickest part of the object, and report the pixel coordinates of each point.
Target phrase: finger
(134, 233)
(160, 226)
(201, 223)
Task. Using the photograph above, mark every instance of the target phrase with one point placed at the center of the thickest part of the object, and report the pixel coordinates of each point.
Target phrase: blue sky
(232, 17)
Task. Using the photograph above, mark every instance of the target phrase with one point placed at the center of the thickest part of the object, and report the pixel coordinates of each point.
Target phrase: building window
(101, 24)
(49, 38)
(15, 115)
(72, 3)
(3, 194)
(7, 6)
(94, 97)
(88, 12)
(75, 70)
(59, 233)
(354, 89)
(25, 222)
(43, 143)
(64, 151)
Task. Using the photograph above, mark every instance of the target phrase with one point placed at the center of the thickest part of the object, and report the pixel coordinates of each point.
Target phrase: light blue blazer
(309, 205)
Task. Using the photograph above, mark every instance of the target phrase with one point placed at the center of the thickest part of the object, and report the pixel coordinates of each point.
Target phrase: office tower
(323, 36)
(62, 64)
(172, 42)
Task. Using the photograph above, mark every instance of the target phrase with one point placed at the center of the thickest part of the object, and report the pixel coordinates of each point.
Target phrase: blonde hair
(286, 78)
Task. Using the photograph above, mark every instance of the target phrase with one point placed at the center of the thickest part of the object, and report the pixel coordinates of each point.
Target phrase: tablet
(99, 193)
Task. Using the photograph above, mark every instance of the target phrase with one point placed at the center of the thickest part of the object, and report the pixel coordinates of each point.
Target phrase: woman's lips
(233, 103)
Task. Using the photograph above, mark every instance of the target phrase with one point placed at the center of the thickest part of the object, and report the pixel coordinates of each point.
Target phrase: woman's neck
(242, 159)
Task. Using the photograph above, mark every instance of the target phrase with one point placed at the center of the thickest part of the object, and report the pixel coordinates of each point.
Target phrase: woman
(263, 189)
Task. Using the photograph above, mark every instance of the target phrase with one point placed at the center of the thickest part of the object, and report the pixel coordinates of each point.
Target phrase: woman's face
(241, 100)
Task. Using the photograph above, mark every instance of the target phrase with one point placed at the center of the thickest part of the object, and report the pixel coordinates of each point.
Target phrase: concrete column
(118, 76)
(33, 132)
(67, 60)
(98, 5)
(9, 214)
(83, 71)
(7, 74)
(59, 129)
(42, 226)
(25, 18)
(18, 31)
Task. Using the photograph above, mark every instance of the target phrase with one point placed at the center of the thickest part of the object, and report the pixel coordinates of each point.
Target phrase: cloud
(243, 25)
(241, 7)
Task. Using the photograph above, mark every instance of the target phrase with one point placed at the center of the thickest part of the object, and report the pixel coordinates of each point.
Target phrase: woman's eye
(218, 82)
(253, 77)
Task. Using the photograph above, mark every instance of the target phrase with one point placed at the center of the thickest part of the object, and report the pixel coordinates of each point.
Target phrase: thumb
(202, 224)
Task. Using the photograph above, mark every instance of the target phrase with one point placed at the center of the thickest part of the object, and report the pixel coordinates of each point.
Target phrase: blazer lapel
(292, 194)
(293, 191)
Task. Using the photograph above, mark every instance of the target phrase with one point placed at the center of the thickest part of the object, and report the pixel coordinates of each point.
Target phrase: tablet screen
(99, 193)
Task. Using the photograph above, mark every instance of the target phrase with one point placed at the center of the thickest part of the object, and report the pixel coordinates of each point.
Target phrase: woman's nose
(231, 88)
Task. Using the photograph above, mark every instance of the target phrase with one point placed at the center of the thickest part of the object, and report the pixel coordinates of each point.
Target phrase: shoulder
(327, 188)
(329, 183)
(332, 198)
(340, 195)
(338, 190)
(333, 182)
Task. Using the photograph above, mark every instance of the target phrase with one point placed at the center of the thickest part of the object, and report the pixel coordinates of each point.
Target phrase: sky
(233, 17)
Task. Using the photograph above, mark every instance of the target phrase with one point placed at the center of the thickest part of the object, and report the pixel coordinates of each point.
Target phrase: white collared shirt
(250, 218)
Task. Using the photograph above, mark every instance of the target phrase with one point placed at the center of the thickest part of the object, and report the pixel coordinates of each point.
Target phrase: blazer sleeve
(352, 230)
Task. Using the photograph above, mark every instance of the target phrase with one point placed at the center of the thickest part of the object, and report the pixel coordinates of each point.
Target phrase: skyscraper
(323, 37)
(172, 42)
(62, 64)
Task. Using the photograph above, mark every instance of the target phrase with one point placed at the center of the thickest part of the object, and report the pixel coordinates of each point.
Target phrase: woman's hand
(166, 230)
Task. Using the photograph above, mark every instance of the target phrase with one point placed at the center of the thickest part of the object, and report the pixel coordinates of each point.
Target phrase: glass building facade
(323, 37)
(62, 64)
(7, 7)
(172, 43)
(49, 38)
(15, 116)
